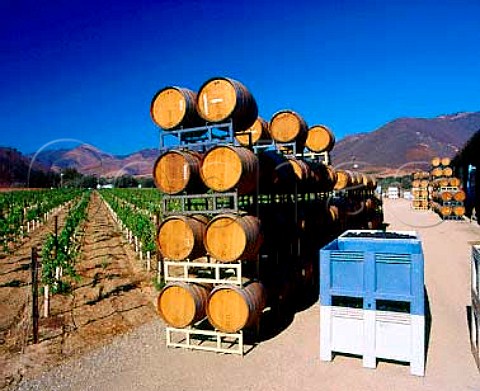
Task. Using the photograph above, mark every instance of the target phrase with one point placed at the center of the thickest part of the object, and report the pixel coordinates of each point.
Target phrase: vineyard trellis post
(46, 290)
(35, 294)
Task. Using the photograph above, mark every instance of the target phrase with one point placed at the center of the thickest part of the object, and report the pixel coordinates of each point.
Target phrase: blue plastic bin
(374, 269)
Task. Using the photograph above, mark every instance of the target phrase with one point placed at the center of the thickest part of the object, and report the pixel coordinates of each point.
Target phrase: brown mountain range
(407, 143)
(90, 160)
(395, 148)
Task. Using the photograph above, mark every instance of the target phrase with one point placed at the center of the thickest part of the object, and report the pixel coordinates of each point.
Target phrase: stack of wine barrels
(187, 171)
(445, 195)
(420, 190)
(286, 216)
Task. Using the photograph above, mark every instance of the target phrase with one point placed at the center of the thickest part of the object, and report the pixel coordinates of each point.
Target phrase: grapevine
(17, 208)
(61, 252)
(125, 203)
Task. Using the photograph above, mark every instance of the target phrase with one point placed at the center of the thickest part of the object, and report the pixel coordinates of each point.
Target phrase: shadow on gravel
(428, 324)
(473, 334)
(273, 322)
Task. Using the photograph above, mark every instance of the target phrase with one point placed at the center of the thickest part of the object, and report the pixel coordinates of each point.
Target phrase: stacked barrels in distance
(443, 189)
(420, 190)
(447, 195)
(287, 208)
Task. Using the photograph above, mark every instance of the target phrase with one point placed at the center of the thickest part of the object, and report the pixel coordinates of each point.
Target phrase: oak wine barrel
(175, 107)
(320, 139)
(181, 237)
(370, 204)
(181, 304)
(324, 177)
(227, 167)
(424, 183)
(446, 196)
(421, 175)
(301, 169)
(446, 161)
(437, 172)
(333, 213)
(436, 161)
(459, 196)
(229, 237)
(258, 131)
(276, 173)
(222, 99)
(232, 308)
(369, 181)
(459, 210)
(447, 171)
(344, 179)
(332, 177)
(443, 182)
(288, 126)
(455, 182)
(420, 203)
(446, 210)
(176, 171)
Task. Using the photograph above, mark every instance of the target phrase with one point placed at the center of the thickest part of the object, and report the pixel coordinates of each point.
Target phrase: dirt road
(290, 361)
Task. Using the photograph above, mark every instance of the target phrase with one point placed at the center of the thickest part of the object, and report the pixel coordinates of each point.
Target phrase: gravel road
(140, 361)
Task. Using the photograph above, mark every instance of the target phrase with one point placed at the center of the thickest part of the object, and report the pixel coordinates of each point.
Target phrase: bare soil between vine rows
(113, 296)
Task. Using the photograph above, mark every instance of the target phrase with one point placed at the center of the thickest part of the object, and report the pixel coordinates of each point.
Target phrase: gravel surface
(289, 361)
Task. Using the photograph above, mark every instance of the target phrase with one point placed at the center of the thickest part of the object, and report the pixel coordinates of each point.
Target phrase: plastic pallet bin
(372, 298)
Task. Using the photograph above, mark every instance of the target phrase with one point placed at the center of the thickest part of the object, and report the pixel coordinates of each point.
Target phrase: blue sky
(88, 69)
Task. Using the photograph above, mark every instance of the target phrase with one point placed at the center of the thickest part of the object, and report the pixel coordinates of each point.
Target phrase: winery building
(467, 165)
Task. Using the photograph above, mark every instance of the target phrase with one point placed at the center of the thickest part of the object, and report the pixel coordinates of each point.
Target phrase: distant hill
(90, 160)
(17, 170)
(407, 140)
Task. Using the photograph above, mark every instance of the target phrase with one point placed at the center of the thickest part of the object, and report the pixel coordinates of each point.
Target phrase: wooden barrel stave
(181, 237)
(437, 172)
(287, 126)
(459, 196)
(225, 168)
(176, 171)
(222, 99)
(230, 237)
(459, 210)
(255, 133)
(231, 308)
(454, 182)
(345, 180)
(320, 139)
(174, 107)
(181, 304)
(445, 161)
